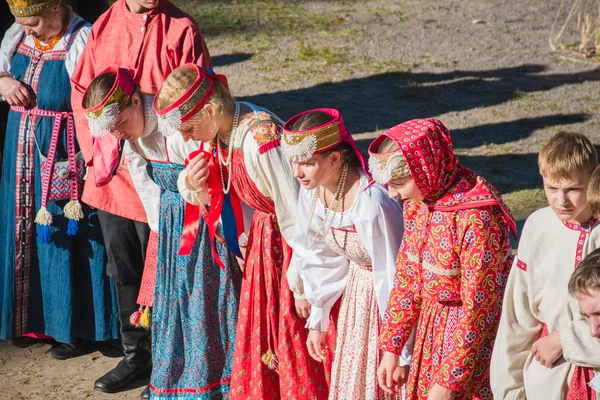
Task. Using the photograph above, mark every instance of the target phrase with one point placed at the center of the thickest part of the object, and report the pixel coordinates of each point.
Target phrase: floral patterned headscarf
(446, 185)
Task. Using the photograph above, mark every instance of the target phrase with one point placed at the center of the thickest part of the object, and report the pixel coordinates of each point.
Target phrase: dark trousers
(126, 242)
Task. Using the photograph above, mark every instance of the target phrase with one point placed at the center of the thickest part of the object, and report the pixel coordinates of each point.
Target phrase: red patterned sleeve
(405, 300)
(485, 262)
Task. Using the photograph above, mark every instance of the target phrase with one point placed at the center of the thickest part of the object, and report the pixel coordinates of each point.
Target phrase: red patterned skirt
(435, 330)
(271, 360)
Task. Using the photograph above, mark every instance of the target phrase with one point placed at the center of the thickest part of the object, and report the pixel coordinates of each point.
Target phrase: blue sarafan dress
(194, 317)
(195, 306)
(57, 288)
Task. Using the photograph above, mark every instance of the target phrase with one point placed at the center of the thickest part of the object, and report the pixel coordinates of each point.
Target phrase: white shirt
(379, 224)
(537, 294)
(154, 147)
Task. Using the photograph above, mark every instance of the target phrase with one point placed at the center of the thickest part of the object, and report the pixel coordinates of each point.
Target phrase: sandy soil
(493, 82)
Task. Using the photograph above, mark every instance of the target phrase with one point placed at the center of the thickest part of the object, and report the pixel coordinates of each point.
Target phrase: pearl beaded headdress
(102, 117)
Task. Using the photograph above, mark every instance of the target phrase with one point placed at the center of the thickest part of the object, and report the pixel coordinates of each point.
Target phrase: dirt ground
(483, 67)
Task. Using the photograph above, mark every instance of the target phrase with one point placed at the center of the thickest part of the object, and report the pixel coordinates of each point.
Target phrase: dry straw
(575, 33)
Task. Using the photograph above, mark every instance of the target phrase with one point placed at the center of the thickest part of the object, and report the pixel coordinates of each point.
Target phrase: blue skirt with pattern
(195, 305)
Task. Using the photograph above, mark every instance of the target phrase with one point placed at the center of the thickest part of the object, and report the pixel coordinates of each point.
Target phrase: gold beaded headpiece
(299, 146)
(102, 117)
(31, 8)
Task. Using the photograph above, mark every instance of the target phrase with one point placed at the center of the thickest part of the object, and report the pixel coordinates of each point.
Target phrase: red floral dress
(271, 360)
(452, 269)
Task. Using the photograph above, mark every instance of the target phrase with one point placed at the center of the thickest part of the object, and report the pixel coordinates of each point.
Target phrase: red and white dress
(271, 360)
(357, 258)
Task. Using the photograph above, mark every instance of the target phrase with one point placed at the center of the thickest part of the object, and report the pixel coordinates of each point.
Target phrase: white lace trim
(383, 174)
(302, 151)
(105, 122)
(170, 123)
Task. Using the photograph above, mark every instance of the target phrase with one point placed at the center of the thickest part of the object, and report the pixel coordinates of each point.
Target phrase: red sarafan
(452, 267)
(271, 360)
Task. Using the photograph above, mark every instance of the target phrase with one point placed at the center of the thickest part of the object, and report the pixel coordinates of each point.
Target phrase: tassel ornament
(142, 318)
(270, 360)
(43, 217)
(73, 210)
(134, 319)
(145, 319)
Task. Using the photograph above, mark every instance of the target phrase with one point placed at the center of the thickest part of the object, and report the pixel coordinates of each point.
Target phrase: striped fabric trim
(24, 190)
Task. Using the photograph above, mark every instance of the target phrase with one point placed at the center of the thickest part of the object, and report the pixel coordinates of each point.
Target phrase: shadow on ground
(382, 101)
(228, 59)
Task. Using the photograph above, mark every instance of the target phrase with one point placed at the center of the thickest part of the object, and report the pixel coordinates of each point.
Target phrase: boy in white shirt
(542, 347)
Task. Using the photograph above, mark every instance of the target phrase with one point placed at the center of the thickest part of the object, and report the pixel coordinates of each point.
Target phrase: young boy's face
(589, 306)
(568, 198)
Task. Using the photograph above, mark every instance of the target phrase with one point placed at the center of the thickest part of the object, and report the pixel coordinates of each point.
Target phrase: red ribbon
(192, 212)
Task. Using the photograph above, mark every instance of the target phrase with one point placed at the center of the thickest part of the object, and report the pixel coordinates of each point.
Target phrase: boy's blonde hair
(566, 155)
(593, 193)
(180, 80)
(586, 276)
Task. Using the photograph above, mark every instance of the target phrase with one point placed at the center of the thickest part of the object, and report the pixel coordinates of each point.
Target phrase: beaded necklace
(227, 163)
(339, 194)
(50, 45)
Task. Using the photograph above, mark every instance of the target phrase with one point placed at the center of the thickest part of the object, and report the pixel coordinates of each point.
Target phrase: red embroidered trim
(521, 264)
(352, 230)
(269, 146)
(190, 390)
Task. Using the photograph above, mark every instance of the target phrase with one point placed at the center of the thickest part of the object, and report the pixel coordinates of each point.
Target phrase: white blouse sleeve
(148, 191)
(7, 48)
(76, 49)
(323, 271)
(380, 226)
(272, 174)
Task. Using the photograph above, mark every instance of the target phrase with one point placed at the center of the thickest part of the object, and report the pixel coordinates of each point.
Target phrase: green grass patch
(272, 17)
(524, 202)
(395, 13)
(320, 53)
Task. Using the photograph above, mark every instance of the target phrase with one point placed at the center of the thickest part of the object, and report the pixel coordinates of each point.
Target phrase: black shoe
(64, 351)
(146, 393)
(23, 341)
(137, 363)
(125, 372)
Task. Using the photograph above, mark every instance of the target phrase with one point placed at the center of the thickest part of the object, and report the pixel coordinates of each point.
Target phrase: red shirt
(152, 45)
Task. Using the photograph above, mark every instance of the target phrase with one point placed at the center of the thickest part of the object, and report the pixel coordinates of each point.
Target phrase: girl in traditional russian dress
(347, 236)
(195, 296)
(271, 360)
(452, 266)
(52, 273)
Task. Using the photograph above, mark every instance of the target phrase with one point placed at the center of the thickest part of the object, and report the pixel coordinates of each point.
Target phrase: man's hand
(548, 349)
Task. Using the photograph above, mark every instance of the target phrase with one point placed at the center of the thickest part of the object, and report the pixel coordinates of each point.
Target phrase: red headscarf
(445, 185)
